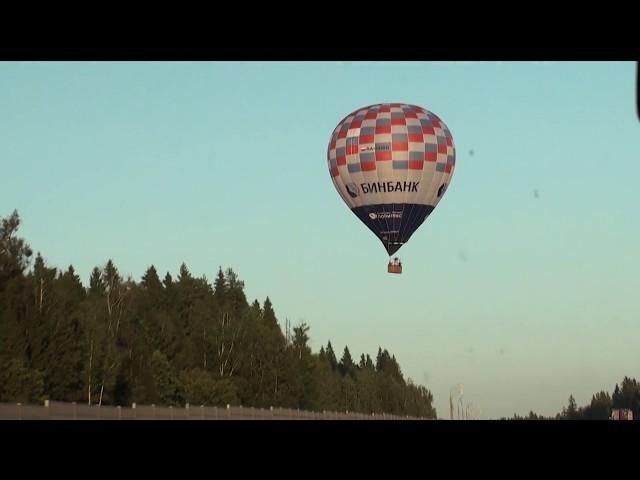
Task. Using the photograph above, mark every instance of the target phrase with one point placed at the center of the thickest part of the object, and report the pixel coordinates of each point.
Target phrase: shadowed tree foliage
(172, 341)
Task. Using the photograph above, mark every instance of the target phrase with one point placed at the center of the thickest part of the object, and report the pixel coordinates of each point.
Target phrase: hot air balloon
(391, 164)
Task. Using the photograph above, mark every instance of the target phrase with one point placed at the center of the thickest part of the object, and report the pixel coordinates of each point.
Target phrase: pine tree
(151, 281)
(14, 251)
(346, 365)
(331, 357)
(96, 283)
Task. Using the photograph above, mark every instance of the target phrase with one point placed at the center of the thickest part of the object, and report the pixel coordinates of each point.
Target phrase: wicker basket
(394, 267)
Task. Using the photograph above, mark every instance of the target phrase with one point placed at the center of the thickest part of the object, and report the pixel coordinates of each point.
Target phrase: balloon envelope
(391, 164)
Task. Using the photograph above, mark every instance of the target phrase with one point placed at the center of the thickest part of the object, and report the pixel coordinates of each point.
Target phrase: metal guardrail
(74, 411)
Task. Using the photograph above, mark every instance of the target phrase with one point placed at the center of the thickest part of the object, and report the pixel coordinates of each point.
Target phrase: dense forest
(625, 396)
(171, 341)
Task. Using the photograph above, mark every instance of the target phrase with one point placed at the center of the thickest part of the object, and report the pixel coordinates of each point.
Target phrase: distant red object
(394, 266)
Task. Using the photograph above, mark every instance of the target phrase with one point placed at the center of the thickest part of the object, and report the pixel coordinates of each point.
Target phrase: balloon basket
(394, 266)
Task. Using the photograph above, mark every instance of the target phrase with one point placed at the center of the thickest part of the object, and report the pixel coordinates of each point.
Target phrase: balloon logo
(391, 163)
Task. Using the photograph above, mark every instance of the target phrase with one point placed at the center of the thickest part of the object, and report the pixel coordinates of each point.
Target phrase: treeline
(172, 341)
(625, 396)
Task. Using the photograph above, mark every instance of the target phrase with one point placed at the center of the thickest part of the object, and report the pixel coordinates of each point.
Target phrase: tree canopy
(170, 342)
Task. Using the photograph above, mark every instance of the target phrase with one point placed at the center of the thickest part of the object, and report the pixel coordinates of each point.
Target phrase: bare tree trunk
(41, 295)
(221, 348)
(120, 303)
(132, 380)
(261, 376)
(226, 362)
(90, 359)
(104, 374)
(110, 284)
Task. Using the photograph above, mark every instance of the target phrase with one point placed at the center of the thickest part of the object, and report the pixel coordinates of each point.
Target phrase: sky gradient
(522, 285)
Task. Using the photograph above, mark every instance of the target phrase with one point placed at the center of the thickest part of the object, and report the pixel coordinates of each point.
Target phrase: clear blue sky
(523, 299)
